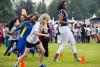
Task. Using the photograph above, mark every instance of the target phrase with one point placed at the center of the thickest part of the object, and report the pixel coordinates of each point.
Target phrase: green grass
(90, 51)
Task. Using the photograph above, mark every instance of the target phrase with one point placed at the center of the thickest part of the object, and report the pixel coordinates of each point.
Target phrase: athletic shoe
(15, 66)
(43, 65)
(55, 59)
(9, 52)
(77, 59)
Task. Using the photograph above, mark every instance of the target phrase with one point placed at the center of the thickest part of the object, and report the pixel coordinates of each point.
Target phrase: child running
(33, 40)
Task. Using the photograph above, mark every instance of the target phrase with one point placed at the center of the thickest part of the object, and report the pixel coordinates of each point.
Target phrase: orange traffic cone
(61, 55)
(22, 63)
(83, 60)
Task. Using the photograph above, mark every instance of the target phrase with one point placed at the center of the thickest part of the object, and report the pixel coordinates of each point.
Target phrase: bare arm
(40, 34)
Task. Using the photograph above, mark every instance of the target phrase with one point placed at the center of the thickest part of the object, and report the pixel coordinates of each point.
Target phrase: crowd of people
(30, 33)
(87, 33)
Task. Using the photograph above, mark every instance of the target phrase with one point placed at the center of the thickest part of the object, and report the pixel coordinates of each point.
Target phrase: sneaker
(15, 66)
(9, 52)
(43, 65)
(55, 59)
(77, 59)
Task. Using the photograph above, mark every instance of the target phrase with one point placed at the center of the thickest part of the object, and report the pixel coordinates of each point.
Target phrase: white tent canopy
(94, 16)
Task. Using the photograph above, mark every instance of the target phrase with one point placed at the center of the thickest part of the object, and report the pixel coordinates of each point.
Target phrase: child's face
(22, 18)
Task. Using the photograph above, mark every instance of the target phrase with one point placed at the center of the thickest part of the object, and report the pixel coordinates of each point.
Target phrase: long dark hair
(61, 5)
(12, 22)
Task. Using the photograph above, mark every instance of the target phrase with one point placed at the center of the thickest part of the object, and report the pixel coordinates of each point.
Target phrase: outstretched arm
(21, 26)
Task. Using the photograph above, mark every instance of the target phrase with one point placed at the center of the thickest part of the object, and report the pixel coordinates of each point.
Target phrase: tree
(28, 5)
(52, 9)
(98, 12)
(98, 9)
(6, 11)
(83, 8)
(41, 8)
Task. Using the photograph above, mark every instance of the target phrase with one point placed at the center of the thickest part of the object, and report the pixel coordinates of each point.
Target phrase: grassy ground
(90, 51)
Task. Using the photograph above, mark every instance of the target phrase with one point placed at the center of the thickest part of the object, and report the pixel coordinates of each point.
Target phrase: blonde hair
(43, 26)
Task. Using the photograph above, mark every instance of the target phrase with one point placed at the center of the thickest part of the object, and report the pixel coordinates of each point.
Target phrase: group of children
(34, 32)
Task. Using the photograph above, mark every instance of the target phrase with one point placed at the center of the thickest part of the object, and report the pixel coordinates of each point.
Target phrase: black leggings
(45, 42)
(9, 47)
(87, 39)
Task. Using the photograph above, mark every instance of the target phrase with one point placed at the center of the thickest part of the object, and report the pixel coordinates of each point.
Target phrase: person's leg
(82, 39)
(64, 40)
(94, 39)
(59, 39)
(32, 50)
(42, 51)
(61, 48)
(45, 45)
(73, 46)
(89, 39)
(20, 46)
(86, 39)
(11, 43)
(22, 56)
(78, 39)
(46, 50)
(55, 38)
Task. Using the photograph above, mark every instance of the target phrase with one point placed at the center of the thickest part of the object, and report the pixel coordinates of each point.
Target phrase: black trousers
(87, 39)
(9, 47)
(45, 42)
(83, 38)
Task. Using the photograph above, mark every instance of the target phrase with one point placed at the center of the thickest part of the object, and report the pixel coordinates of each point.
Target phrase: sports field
(91, 52)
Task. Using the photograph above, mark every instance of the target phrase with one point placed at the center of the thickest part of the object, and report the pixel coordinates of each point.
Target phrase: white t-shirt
(88, 31)
(93, 31)
(15, 36)
(32, 38)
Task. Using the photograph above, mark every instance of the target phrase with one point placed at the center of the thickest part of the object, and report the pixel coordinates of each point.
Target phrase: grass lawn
(90, 51)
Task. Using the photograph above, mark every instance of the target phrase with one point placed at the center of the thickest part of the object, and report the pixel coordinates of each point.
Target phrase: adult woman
(33, 40)
(65, 33)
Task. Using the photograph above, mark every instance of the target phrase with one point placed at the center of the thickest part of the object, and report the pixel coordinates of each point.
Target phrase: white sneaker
(77, 59)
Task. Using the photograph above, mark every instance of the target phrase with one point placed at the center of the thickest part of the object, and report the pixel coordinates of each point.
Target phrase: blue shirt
(28, 28)
(65, 14)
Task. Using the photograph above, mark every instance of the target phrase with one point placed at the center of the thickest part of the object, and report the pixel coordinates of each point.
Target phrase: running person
(33, 39)
(13, 38)
(65, 33)
(26, 27)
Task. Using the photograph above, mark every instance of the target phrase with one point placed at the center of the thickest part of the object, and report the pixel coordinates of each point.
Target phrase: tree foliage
(41, 8)
(83, 8)
(6, 11)
(29, 6)
(80, 9)
(52, 9)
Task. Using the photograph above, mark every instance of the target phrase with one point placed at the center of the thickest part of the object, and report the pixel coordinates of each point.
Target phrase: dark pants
(9, 47)
(83, 38)
(45, 42)
(87, 39)
(56, 38)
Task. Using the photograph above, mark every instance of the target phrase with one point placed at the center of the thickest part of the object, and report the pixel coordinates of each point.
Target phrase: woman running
(65, 32)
